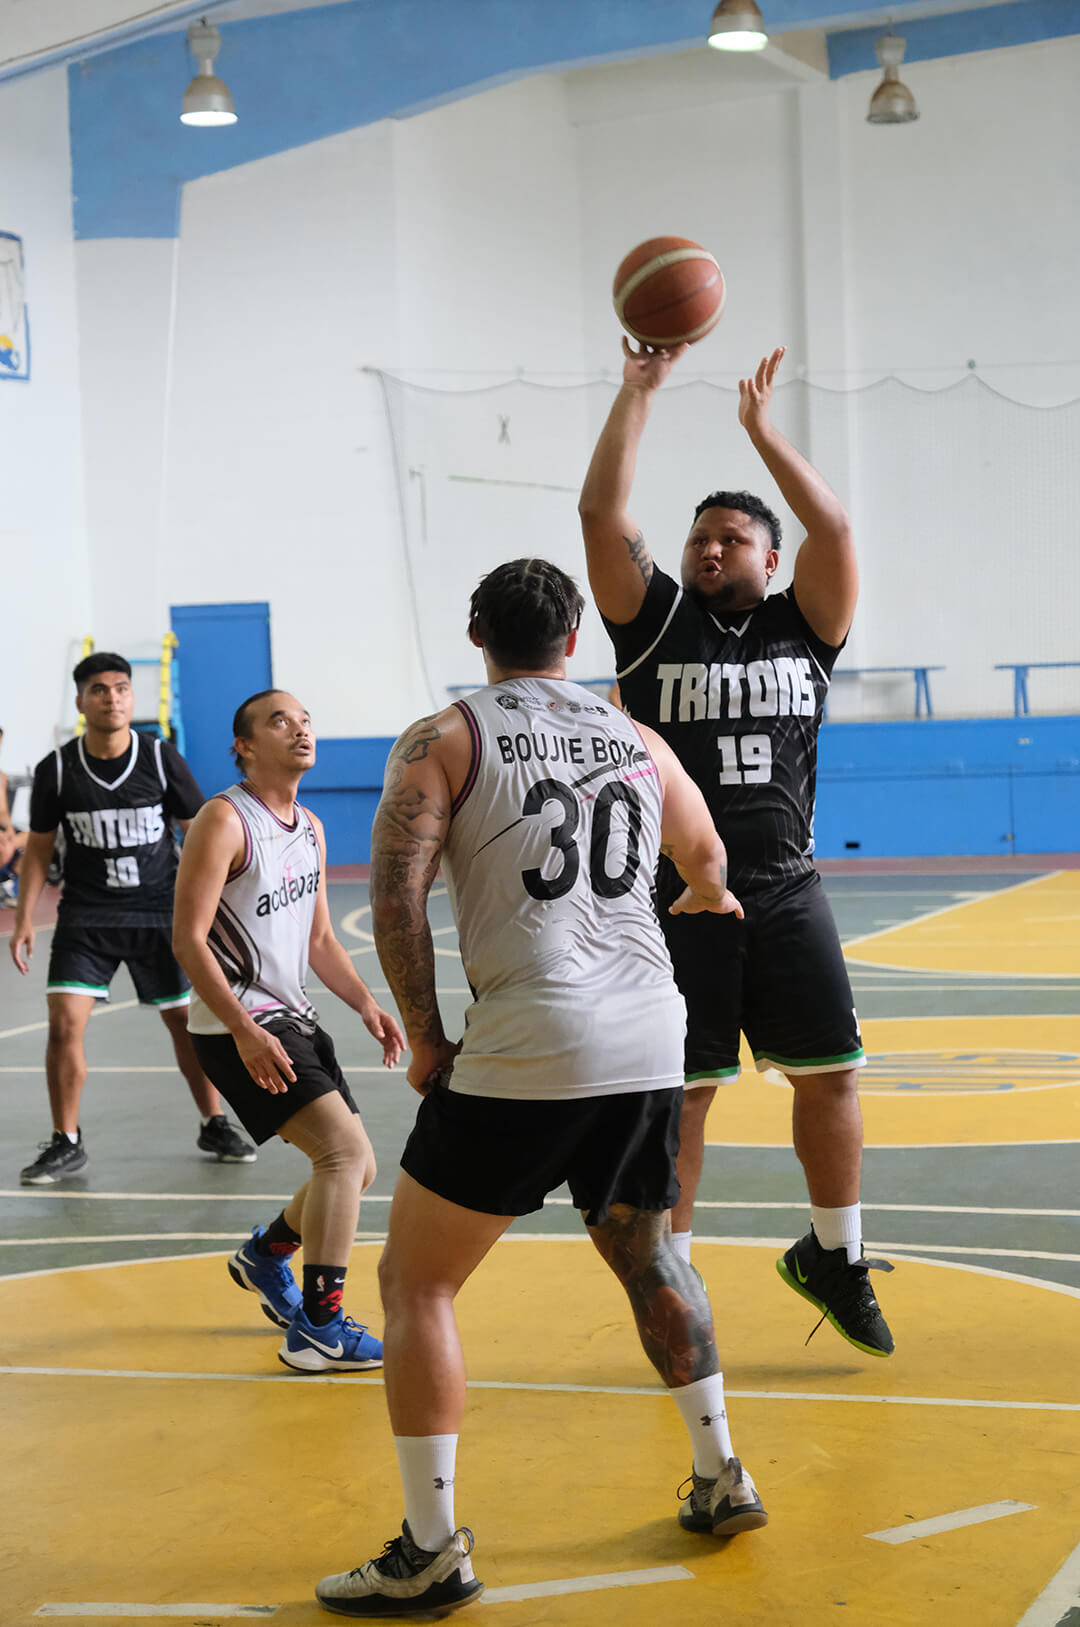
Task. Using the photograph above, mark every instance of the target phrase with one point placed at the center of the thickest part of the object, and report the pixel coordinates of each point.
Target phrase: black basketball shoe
(56, 1160)
(224, 1141)
(840, 1290)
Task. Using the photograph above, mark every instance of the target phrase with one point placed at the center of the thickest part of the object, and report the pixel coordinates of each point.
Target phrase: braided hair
(524, 611)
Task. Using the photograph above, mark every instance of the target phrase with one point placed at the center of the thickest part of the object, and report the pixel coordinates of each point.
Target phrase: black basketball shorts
(778, 976)
(502, 1156)
(84, 960)
(261, 1112)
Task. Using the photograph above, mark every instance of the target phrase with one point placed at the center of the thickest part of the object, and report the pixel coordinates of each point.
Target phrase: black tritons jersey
(119, 856)
(739, 700)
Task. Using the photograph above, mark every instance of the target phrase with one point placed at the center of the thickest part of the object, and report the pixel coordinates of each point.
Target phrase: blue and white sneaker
(340, 1346)
(270, 1278)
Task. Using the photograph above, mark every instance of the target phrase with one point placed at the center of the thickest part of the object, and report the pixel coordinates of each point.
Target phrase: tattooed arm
(689, 838)
(425, 769)
(620, 565)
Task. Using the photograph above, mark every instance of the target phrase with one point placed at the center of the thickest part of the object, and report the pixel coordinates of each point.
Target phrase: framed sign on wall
(14, 322)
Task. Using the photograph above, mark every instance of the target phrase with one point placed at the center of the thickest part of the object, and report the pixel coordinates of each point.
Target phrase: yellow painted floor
(242, 1484)
(934, 1080)
(1032, 928)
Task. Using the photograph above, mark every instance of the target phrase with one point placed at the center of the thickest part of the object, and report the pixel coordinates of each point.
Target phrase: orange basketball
(669, 291)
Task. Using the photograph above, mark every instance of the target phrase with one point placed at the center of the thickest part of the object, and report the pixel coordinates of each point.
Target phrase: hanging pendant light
(737, 25)
(207, 100)
(892, 102)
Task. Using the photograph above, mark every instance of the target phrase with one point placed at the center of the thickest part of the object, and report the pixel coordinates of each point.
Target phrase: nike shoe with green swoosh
(341, 1346)
(841, 1291)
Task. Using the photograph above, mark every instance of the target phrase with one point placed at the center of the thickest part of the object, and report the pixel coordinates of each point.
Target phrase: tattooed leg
(670, 1305)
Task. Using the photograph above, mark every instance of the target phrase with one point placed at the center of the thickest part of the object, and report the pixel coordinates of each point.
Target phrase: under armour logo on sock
(442, 1485)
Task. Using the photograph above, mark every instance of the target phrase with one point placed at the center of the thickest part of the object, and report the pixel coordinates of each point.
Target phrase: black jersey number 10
(563, 840)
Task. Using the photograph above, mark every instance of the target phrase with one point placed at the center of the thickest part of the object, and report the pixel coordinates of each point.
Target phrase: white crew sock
(705, 1417)
(426, 1463)
(839, 1228)
(680, 1242)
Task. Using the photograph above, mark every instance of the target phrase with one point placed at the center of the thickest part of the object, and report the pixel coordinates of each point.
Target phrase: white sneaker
(724, 1506)
(406, 1580)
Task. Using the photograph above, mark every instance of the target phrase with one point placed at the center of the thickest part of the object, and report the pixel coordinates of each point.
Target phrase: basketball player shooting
(734, 679)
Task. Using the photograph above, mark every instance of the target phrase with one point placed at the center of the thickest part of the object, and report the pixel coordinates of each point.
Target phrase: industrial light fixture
(737, 25)
(892, 102)
(207, 99)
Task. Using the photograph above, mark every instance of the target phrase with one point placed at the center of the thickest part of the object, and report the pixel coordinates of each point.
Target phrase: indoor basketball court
(315, 313)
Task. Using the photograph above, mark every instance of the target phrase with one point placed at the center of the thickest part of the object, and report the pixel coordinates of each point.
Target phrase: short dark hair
(100, 661)
(524, 611)
(241, 723)
(746, 503)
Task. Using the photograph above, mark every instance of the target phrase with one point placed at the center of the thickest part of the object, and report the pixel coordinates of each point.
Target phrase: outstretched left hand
(384, 1028)
(755, 393)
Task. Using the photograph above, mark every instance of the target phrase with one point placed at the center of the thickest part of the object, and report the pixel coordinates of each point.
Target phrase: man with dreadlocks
(735, 681)
(548, 810)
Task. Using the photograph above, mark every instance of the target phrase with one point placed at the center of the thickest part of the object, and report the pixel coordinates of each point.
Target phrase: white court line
(532, 1237)
(1047, 1284)
(491, 1595)
(900, 1146)
(346, 1067)
(561, 1203)
(103, 1008)
(1059, 1597)
(948, 909)
(127, 1611)
(951, 1522)
(656, 1391)
(153, 1237)
(586, 1584)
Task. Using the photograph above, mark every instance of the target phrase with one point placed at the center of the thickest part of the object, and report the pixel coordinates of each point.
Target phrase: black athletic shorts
(779, 976)
(84, 959)
(503, 1156)
(262, 1113)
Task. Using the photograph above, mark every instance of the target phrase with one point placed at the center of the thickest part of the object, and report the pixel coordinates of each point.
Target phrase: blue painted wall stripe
(1021, 22)
(299, 77)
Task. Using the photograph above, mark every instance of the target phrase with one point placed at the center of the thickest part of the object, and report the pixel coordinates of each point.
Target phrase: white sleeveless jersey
(549, 861)
(262, 928)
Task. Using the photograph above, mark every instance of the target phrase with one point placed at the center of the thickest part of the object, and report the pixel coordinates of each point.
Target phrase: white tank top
(262, 928)
(549, 861)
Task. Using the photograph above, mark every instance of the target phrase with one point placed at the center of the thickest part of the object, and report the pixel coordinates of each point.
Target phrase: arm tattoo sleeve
(407, 837)
(640, 556)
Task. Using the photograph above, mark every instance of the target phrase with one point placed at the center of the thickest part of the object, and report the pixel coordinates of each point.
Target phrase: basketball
(669, 291)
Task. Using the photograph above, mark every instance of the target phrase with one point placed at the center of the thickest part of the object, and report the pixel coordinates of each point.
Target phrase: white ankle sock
(426, 1463)
(839, 1228)
(681, 1244)
(72, 1136)
(705, 1417)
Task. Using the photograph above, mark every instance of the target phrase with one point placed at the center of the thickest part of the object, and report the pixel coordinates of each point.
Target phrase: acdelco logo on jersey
(291, 891)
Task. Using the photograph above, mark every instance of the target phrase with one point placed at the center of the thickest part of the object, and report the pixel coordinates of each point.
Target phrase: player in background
(116, 795)
(251, 917)
(12, 845)
(735, 680)
(547, 810)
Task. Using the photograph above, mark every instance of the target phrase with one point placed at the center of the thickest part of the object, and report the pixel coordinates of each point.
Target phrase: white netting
(966, 507)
